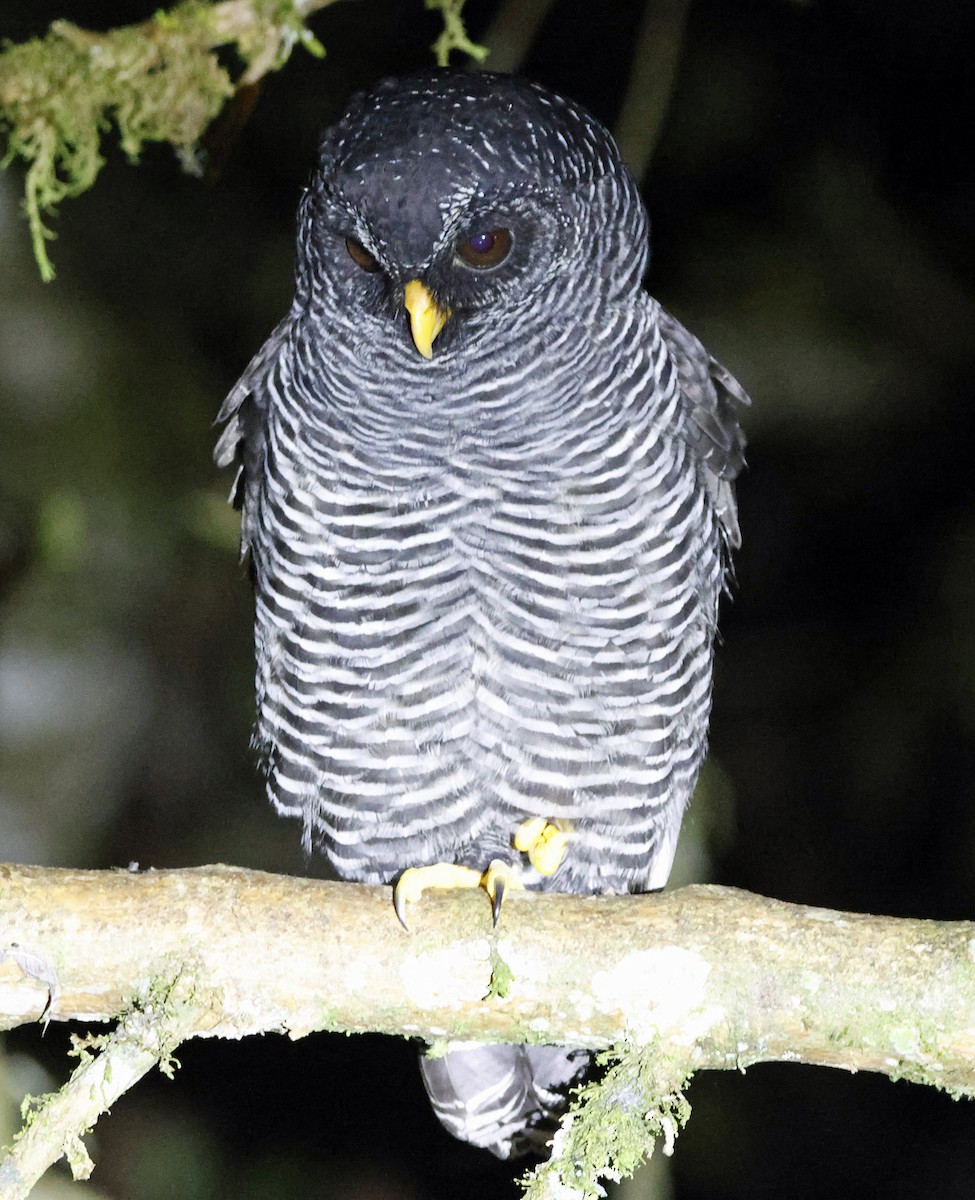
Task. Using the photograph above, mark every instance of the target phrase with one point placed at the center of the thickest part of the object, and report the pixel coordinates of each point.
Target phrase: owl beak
(427, 318)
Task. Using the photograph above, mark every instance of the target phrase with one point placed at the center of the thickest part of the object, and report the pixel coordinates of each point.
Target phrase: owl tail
(507, 1099)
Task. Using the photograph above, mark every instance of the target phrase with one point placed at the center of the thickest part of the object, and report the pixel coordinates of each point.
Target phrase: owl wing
(242, 441)
(713, 406)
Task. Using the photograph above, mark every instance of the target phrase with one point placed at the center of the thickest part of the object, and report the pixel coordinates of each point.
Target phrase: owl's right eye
(361, 256)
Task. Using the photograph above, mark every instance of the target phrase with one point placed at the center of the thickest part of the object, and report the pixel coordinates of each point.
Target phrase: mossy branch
(454, 36)
(705, 977)
(109, 1065)
(164, 80)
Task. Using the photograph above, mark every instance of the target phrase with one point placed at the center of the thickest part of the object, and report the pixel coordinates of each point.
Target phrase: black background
(812, 204)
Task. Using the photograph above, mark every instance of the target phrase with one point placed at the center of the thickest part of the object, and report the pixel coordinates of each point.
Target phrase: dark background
(813, 206)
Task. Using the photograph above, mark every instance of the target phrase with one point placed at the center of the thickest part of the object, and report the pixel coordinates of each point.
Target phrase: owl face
(465, 201)
(470, 251)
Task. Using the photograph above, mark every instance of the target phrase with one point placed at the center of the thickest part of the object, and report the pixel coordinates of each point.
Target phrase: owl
(486, 484)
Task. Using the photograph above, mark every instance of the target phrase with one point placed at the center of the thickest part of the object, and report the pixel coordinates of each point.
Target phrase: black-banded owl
(486, 484)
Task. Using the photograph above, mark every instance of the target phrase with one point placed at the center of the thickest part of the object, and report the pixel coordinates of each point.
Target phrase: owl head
(446, 204)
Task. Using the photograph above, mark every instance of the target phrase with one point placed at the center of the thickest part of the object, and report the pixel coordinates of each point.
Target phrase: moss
(502, 977)
(454, 36)
(79, 1160)
(615, 1123)
(162, 81)
(85, 1047)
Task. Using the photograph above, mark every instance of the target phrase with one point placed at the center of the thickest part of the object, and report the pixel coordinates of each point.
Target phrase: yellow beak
(427, 318)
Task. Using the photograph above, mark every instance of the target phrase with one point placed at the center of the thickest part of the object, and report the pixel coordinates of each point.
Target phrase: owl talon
(414, 882)
(544, 843)
(497, 901)
(496, 880)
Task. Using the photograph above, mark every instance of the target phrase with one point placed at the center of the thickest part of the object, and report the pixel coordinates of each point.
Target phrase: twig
(740, 978)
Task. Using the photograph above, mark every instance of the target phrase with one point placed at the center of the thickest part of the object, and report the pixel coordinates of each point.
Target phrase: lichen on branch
(161, 81)
(109, 1064)
(615, 1123)
(454, 36)
(701, 978)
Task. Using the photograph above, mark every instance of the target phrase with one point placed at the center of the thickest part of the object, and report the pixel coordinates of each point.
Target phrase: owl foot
(544, 843)
(414, 882)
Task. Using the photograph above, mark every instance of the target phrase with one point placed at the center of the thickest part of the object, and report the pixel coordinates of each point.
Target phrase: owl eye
(360, 255)
(485, 249)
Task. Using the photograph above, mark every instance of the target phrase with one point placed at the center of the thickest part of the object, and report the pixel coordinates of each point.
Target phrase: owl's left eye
(486, 248)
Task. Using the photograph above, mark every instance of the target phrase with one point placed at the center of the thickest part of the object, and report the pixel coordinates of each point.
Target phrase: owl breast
(452, 640)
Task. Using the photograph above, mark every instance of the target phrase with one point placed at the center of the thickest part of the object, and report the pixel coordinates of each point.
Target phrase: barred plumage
(486, 581)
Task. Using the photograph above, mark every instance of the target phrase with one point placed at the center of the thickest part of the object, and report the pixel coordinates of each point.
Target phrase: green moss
(502, 977)
(454, 36)
(615, 1122)
(30, 1106)
(61, 93)
(157, 82)
(85, 1047)
(79, 1160)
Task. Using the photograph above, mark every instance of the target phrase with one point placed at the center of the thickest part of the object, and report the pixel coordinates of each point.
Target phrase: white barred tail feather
(502, 1098)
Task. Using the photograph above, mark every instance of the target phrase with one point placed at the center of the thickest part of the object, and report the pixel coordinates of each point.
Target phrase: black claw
(498, 898)
(399, 906)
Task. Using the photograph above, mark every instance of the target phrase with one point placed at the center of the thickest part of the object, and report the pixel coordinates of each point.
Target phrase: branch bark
(702, 977)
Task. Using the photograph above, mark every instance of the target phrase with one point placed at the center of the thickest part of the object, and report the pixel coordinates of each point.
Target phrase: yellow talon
(544, 843)
(414, 882)
(411, 885)
(496, 880)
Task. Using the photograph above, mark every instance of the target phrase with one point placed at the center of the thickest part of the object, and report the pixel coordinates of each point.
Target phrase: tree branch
(656, 57)
(513, 30)
(703, 977)
(146, 1036)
